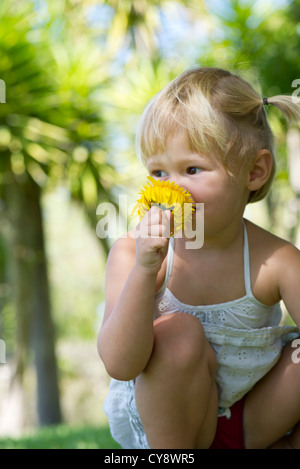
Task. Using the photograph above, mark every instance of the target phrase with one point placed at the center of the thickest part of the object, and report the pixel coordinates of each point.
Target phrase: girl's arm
(289, 280)
(126, 337)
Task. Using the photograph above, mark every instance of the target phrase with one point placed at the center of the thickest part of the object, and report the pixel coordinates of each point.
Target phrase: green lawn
(63, 437)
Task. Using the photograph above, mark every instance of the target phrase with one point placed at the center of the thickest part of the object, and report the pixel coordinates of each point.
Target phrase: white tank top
(244, 333)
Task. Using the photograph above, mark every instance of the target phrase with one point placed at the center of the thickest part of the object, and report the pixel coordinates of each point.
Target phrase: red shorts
(230, 432)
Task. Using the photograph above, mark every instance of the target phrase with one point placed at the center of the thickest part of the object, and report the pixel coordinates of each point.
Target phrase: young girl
(191, 337)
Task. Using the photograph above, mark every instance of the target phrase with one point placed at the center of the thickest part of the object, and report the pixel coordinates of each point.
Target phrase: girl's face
(206, 179)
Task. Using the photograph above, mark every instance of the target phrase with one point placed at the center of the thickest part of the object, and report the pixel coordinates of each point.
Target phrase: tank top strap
(170, 256)
(247, 273)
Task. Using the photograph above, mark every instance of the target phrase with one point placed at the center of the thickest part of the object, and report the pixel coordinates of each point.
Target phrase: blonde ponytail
(288, 105)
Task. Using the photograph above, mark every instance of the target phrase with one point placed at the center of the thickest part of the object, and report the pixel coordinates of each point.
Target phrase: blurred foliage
(51, 132)
(52, 125)
(51, 128)
(78, 75)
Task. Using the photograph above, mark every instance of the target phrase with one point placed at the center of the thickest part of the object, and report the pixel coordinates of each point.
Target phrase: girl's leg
(272, 408)
(176, 395)
(291, 441)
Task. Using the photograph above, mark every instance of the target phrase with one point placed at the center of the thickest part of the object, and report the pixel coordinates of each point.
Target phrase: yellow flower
(167, 196)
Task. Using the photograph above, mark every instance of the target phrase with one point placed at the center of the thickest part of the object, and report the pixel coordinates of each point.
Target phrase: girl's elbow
(115, 365)
(118, 372)
(115, 368)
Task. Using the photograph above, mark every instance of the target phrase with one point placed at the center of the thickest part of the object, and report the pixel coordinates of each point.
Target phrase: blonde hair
(221, 114)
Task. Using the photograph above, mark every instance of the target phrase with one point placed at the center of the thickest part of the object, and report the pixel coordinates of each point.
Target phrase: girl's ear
(260, 170)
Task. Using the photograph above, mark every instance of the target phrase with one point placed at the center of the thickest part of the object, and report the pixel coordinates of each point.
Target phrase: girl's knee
(179, 340)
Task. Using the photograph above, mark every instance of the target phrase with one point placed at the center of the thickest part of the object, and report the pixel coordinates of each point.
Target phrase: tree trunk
(31, 291)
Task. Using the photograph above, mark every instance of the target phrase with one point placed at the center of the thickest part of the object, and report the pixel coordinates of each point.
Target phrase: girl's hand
(152, 239)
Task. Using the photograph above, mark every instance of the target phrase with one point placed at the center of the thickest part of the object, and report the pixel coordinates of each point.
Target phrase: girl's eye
(193, 170)
(159, 174)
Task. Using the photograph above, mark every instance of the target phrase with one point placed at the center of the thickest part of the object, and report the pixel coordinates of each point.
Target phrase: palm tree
(51, 130)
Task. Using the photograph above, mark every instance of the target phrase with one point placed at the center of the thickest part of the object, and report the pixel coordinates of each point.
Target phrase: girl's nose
(177, 179)
(181, 182)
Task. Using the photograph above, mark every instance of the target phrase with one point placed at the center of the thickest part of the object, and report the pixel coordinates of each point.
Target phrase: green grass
(63, 437)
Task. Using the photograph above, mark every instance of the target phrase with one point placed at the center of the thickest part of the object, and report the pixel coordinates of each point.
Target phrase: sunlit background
(78, 74)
